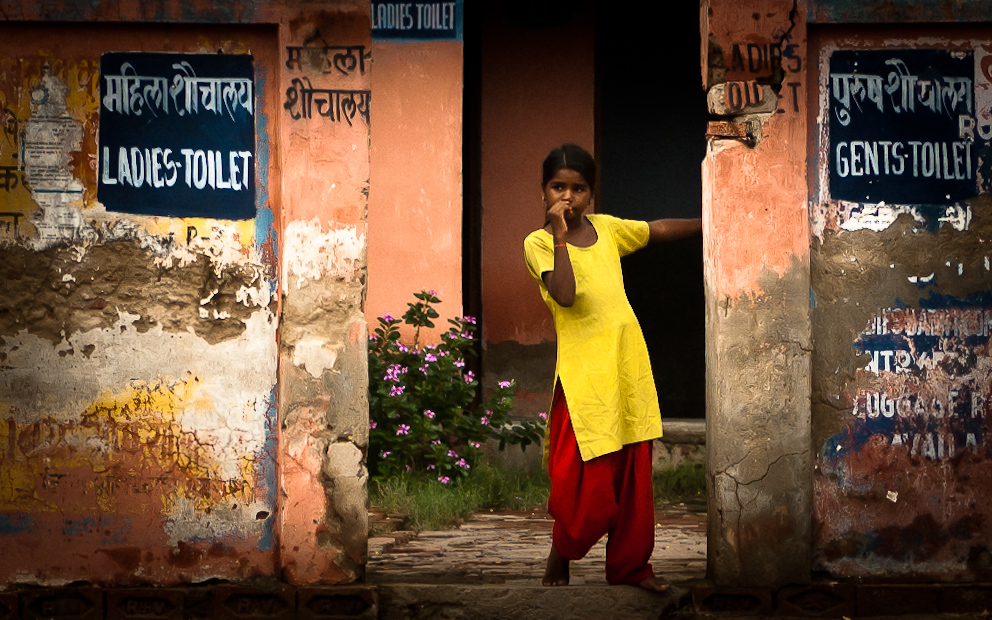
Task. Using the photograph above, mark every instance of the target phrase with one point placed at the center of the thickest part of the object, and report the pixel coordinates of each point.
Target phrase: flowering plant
(421, 414)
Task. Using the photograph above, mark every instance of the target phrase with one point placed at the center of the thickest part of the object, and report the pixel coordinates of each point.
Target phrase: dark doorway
(651, 124)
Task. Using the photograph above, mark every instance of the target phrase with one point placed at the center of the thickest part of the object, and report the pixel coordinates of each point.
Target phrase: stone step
(526, 601)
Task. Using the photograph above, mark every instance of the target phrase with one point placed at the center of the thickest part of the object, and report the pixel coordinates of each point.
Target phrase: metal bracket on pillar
(733, 131)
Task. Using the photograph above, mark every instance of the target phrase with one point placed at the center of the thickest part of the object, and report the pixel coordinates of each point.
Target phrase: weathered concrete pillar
(323, 423)
(756, 260)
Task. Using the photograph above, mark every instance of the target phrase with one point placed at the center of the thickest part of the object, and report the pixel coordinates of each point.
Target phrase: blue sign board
(899, 126)
(417, 21)
(177, 135)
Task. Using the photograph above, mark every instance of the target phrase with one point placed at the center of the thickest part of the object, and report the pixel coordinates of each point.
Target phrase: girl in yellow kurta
(599, 444)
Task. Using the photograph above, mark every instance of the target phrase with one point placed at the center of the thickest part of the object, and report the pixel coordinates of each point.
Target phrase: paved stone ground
(491, 567)
(511, 547)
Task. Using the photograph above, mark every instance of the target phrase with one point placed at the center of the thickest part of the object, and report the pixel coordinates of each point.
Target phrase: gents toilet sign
(903, 126)
(177, 135)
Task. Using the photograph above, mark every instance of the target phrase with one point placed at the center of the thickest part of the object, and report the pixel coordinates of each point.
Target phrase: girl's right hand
(556, 217)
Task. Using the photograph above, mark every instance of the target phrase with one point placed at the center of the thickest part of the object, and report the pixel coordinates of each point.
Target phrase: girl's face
(569, 187)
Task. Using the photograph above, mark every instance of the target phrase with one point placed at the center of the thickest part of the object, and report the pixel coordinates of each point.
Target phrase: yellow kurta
(603, 361)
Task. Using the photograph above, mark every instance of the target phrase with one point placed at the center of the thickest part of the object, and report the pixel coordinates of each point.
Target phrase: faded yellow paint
(129, 441)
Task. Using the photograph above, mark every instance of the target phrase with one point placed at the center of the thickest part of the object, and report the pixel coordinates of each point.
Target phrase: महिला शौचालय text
(162, 167)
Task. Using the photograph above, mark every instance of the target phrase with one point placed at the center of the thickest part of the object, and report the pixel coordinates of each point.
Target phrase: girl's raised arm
(670, 229)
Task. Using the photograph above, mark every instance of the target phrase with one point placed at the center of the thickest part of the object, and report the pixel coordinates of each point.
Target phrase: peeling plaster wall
(137, 354)
(184, 399)
(756, 253)
(902, 368)
(323, 383)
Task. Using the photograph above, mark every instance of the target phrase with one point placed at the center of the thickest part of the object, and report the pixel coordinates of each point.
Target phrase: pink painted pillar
(322, 361)
(415, 200)
(756, 262)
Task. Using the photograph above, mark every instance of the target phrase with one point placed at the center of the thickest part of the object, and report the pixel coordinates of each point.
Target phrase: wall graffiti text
(345, 59)
(333, 104)
(927, 384)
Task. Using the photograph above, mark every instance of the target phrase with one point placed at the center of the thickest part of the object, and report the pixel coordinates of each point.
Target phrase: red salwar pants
(610, 494)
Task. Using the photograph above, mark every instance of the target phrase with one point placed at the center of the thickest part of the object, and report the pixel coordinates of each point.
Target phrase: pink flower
(468, 319)
(436, 442)
(372, 338)
(542, 415)
(462, 463)
(484, 421)
(372, 424)
(443, 479)
(452, 454)
(469, 377)
(404, 429)
(401, 348)
(475, 444)
(386, 454)
(430, 467)
(505, 384)
(460, 363)
(393, 372)
(387, 318)
(429, 414)
(430, 357)
(396, 390)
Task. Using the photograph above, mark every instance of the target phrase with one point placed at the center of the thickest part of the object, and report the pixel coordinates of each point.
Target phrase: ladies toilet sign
(177, 135)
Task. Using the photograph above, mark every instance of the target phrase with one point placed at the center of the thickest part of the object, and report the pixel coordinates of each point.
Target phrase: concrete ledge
(684, 442)
(227, 600)
(684, 431)
(827, 599)
(525, 601)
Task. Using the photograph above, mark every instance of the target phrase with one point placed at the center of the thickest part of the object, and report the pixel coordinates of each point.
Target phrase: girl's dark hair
(572, 157)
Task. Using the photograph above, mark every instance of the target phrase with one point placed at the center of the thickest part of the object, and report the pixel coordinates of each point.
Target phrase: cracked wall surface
(181, 399)
(137, 354)
(323, 384)
(756, 254)
(901, 368)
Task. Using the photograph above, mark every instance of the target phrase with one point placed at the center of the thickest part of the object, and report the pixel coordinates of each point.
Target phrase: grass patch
(430, 505)
(680, 483)
(433, 506)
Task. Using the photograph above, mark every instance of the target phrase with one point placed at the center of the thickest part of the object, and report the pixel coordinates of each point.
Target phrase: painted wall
(846, 228)
(415, 200)
(182, 398)
(536, 94)
(756, 268)
(139, 352)
(903, 312)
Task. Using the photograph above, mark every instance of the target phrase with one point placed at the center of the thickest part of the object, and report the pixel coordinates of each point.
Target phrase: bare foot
(655, 584)
(556, 571)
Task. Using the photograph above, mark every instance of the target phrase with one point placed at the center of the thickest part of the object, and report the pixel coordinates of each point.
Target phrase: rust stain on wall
(901, 388)
(902, 317)
(138, 355)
